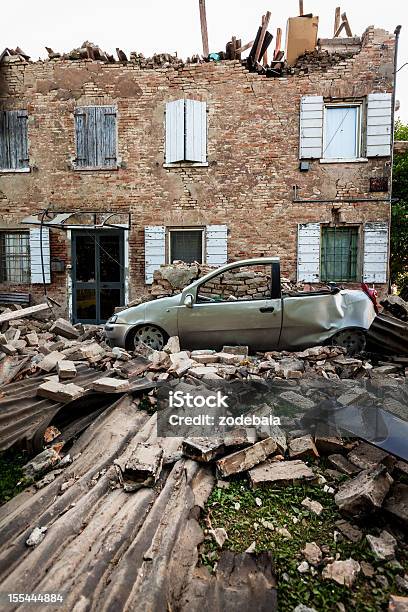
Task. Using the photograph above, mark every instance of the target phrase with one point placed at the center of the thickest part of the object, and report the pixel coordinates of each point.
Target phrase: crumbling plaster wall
(253, 148)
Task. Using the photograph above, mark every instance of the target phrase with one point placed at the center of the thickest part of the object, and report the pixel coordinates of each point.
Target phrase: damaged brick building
(140, 164)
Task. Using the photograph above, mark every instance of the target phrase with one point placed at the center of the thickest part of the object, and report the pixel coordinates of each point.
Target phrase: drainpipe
(394, 86)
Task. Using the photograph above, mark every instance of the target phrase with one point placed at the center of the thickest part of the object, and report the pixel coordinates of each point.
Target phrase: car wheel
(354, 340)
(151, 335)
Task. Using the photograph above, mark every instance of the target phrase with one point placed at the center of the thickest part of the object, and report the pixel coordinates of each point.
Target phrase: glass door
(97, 274)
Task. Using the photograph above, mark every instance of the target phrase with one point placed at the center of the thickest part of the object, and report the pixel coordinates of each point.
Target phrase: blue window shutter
(196, 131)
(375, 252)
(311, 127)
(308, 264)
(216, 244)
(13, 140)
(379, 113)
(175, 131)
(35, 255)
(155, 250)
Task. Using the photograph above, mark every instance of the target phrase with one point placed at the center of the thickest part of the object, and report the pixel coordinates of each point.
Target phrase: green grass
(280, 505)
(12, 480)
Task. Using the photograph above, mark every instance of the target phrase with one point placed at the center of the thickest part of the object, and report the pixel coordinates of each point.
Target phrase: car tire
(354, 340)
(149, 334)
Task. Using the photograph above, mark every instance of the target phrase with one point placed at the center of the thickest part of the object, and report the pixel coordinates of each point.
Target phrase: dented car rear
(242, 303)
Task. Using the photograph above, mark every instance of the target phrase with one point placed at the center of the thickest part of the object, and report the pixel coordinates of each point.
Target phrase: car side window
(243, 283)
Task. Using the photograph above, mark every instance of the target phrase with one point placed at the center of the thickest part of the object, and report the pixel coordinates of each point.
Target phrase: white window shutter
(196, 131)
(311, 127)
(155, 250)
(375, 252)
(175, 131)
(379, 115)
(216, 251)
(308, 263)
(35, 255)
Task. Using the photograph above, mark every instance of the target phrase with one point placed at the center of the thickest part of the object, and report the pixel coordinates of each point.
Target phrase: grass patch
(236, 510)
(12, 479)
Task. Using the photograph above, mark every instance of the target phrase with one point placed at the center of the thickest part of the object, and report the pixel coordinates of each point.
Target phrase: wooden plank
(301, 8)
(262, 36)
(346, 25)
(336, 20)
(24, 312)
(278, 43)
(204, 29)
(336, 34)
(245, 47)
(265, 55)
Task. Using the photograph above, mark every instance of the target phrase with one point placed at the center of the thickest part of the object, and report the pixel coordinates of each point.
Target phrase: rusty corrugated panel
(389, 334)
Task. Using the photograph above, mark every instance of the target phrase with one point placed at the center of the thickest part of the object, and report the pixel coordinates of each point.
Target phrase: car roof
(255, 260)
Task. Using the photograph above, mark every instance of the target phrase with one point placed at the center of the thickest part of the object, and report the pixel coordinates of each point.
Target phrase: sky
(174, 25)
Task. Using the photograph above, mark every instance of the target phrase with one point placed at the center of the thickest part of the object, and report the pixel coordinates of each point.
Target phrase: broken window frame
(355, 263)
(13, 143)
(171, 230)
(359, 132)
(85, 110)
(15, 261)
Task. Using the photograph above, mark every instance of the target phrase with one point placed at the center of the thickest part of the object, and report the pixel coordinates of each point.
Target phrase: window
(95, 132)
(15, 257)
(339, 254)
(243, 283)
(186, 131)
(342, 132)
(13, 140)
(186, 245)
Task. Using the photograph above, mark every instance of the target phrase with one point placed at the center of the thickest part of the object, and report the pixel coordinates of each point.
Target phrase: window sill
(187, 165)
(339, 160)
(15, 170)
(96, 168)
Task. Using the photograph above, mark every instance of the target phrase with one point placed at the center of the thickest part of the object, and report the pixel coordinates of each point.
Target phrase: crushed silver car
(241, 303)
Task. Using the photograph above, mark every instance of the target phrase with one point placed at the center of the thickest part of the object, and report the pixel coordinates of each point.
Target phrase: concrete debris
(313, 505)
(66, 370)
(110, 385)
(303, 567)
(51, 360)
(367, 456)
(41, 463)
(364, 493)
(397, 504)
(36, 536)
(398, 603)
(63, 328)
(396, 306)
(203, 450)
(58, 392)
(349, 531)
(383, 546)
(282, 472)
(343, 572)
(341, 463)
(247, 458)
(302, 448)
(143, 467)
(312, 553)
(220, 536)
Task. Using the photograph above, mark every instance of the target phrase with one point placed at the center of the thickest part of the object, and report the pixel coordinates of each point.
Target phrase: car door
(235, 307)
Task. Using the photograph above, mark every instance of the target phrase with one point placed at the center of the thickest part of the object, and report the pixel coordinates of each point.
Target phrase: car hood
(147, 310)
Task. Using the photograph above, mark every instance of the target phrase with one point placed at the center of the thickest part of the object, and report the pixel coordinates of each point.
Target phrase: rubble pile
(172, 278)
(319, 60)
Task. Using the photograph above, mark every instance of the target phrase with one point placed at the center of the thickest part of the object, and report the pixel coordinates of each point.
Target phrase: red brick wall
(253, 150)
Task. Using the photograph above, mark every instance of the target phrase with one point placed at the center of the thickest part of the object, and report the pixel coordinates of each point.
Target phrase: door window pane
(341, 132)
(186, 246)
(109, 258)
(238, 284)
(339, 254)
(86, 304)
(110, 298)
(85, 258)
